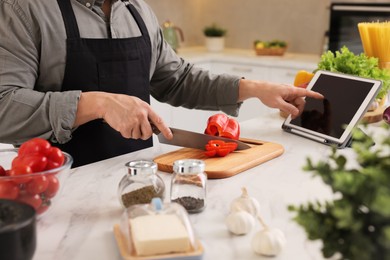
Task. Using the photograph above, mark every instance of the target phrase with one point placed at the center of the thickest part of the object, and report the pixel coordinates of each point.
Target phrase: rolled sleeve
(62, 115)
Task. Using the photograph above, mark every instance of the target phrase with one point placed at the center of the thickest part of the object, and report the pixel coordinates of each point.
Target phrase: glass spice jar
(141, 183)
(188, 186)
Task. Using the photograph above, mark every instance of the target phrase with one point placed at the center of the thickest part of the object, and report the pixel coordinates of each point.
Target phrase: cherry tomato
(2, 171)
(37, 184)
(33, 200)
(52, 165)
(44, 206)
(18, 171)
(36, 161)
(35, 145)
(55, 155)
(8, 190)
(53, 187)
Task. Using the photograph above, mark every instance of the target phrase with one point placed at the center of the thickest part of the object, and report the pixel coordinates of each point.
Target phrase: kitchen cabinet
(242, 63)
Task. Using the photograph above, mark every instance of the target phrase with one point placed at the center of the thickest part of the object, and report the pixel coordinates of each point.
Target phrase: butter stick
(159, 234)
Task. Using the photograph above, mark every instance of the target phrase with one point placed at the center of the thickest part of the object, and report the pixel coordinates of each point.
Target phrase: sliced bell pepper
(222, 125)
(219, 148)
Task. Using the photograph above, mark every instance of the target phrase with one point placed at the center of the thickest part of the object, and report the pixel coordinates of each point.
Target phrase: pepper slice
(219, 148)
(222, 125)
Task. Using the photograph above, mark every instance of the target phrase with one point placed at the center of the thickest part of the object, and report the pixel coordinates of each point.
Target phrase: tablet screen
(329, 116)
(332, 119)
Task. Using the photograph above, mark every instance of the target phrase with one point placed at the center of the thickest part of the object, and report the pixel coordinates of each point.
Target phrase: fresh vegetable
(243, 211)
(35, 155)
(245, 203)
(52, 187)
(219, 148)
(258, 44)
(222, 125)
(2, 171)
(34, 146)
(268, 242)
(240, 222)
(386, 115)
(8, 190)
(302, 78)
(344, 61)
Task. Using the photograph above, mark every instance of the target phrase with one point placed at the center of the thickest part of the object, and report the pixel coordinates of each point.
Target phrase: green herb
(356, 225)
(345, 61)
(140, 196)
(214, 31)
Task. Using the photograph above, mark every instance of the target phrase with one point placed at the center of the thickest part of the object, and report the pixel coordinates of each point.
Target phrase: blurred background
(302, 23)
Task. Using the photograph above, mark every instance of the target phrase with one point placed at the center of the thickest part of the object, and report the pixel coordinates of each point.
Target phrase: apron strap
(72, 29)
(138, 19)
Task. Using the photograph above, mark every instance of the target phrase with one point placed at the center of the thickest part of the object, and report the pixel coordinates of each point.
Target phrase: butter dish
(157, 231)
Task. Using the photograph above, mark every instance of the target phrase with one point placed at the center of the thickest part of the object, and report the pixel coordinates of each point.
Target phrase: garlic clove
(240, 222)
(245, 203)
(269, 242)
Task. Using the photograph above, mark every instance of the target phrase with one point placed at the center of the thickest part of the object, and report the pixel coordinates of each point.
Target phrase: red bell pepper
(219, 148)
(222, 125)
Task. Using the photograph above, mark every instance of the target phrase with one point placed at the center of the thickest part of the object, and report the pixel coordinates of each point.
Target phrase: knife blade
(190, 139)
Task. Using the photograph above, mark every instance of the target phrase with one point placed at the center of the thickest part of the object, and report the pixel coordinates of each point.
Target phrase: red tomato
(37, 184)
(8, 190)
(56, 156)
(2, 171)
(33, 200)
(35, 145)
(44, 206)
(18, 171)
(53, 187)
(36, 161)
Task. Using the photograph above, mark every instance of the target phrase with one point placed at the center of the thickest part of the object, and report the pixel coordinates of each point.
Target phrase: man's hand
(129, 115)
(285, 97)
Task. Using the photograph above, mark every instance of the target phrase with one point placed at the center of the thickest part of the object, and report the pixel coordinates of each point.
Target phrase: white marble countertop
(80, 223)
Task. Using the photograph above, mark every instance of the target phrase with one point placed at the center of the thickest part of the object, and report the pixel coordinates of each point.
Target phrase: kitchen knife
(190, 139)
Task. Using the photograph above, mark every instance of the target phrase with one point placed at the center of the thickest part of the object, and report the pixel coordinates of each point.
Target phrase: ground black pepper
(191, 204)
(140, 196)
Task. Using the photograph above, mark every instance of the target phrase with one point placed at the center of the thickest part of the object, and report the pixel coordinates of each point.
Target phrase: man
(80, 72)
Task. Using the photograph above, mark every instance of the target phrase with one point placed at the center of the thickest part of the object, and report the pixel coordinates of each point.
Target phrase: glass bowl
(38, 189)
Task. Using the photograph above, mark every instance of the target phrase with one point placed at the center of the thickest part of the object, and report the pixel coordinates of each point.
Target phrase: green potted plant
(356, 224)
(215, 37)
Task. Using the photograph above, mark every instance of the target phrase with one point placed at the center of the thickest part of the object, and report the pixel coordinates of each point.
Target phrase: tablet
(332, 119)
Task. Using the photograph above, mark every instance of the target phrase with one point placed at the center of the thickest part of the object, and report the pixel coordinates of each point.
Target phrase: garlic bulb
(374, 105)
(268, 242)
(240, 222)
(245, 203)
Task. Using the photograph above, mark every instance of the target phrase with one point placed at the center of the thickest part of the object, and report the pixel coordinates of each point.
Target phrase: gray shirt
(32, 64)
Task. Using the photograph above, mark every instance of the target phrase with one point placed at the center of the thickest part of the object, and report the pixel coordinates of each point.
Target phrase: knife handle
(155, 130)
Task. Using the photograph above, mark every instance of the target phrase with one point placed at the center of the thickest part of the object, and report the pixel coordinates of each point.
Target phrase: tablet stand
(350, 141)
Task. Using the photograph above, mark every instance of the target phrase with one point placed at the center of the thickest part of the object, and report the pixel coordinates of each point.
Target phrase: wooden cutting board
(223, 167)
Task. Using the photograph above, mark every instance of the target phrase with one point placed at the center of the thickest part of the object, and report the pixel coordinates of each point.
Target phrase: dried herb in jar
(140, 196)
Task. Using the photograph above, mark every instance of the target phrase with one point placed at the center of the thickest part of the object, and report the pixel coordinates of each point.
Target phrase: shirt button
(88, 4)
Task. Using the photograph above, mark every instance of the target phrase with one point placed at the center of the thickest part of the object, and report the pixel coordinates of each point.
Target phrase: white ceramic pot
(215, 44)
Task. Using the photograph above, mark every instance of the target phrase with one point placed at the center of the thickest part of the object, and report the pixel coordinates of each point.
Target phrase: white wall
(302, 23)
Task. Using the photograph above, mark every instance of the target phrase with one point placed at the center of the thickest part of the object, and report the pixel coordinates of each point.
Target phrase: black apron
(108, 65)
